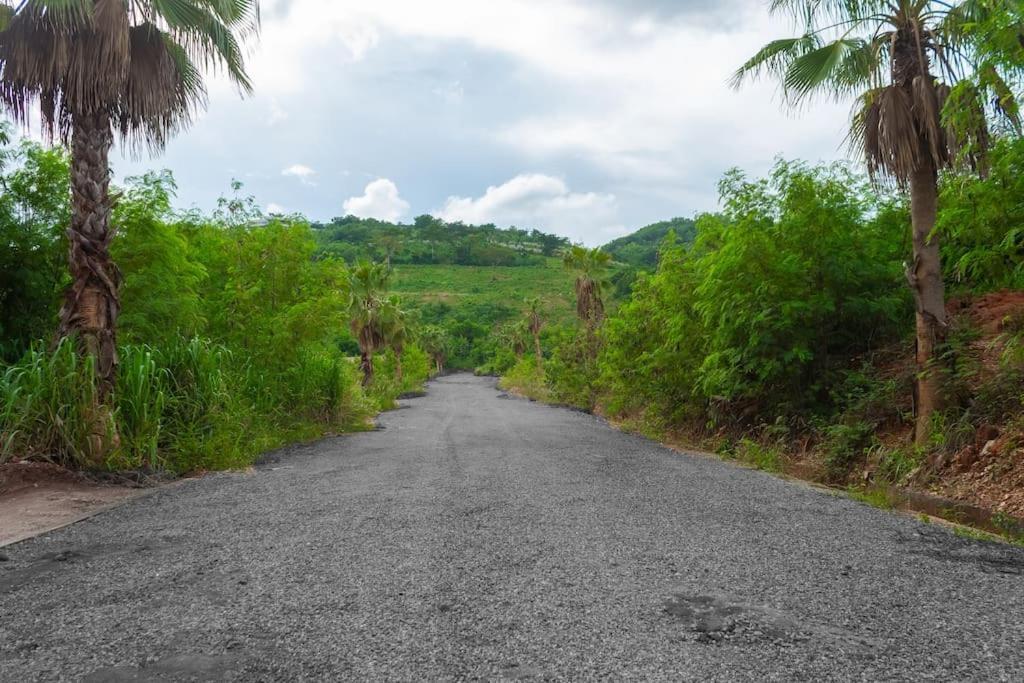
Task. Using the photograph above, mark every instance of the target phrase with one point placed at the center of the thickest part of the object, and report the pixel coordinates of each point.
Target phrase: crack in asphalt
(482, 537)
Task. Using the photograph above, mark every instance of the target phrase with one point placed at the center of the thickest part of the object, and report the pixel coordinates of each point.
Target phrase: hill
(641, 247)
(429, 240)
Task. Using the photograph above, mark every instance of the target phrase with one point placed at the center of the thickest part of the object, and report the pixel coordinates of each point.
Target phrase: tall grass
(187, 405)
(48, 406)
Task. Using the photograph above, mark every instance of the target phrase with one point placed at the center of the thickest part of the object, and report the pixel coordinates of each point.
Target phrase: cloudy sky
(589, 118)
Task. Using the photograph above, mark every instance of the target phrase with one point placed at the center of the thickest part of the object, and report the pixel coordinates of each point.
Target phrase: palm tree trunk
(366, 365)
(537, 353)
(91, 302)
(925, 278)
(398, 367)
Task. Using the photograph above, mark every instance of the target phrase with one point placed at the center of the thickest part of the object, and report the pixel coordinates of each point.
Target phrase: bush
(896, 464)
(572, 370)
(845, 445)
(525, 379)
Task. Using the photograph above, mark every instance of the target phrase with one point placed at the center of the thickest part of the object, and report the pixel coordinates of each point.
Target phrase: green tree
(397, 331)
(390, 245)
(99, 66)
(437, 343)
(982, 223)
(924, 74)
(162, 279)
(590, 266)
(369, 311)
(34, 211)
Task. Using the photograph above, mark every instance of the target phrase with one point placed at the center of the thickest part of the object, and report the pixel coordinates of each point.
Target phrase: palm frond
(817, 69)
(774, 58)
(140, 61)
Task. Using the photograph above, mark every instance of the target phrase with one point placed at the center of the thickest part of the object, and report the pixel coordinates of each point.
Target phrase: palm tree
(512, 335)
(396, 330)
(368, 311)
(925, 89)
(96, 67)
(437, 343)
(390, 245)
(591, 269)
(534, 323)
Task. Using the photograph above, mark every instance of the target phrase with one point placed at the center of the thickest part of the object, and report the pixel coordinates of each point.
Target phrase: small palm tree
(534, 323)
(368, 312)
(512, 335)
(591, 269)
(397, 330)
(436, 342)
(96, 67)
(390, 245)
(926, 82)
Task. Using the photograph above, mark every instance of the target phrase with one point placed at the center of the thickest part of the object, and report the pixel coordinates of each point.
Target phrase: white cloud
(303, 173)
(273, 208)
(642, 88)
(535, 200)
(379, 200)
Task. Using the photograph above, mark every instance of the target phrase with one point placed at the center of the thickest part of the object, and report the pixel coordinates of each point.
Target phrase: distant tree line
(430, 240)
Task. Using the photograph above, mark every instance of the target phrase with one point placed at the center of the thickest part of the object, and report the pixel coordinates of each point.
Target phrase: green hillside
(431, 241)
(500, 287)
(641, 247)
(470, 302)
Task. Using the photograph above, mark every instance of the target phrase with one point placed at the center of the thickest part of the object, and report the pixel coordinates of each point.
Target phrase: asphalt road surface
(478, 536)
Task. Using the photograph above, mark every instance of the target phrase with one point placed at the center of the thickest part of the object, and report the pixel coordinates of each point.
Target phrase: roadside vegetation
(235, 337)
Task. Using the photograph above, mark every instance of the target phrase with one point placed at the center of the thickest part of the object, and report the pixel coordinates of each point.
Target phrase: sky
(586, 118)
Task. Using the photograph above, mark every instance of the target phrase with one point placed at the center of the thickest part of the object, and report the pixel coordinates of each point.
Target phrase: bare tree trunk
(91, 302)
(398, 367)
(537, 353)
(366, 365)
(925, 278)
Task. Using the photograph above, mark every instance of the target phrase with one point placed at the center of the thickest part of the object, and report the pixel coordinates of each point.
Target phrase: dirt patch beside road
(38, 497)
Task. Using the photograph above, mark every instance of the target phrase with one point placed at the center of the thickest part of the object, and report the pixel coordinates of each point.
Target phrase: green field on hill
(462, 287)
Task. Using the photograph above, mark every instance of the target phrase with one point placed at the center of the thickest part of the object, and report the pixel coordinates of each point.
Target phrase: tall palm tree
(100, 67)
(591, 269)
(926, 86)
(534, 323)
(368, 311)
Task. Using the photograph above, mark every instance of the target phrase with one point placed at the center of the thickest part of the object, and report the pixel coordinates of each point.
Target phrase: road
(478, 536)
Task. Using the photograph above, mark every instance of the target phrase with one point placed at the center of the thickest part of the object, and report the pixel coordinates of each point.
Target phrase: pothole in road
(722, 620)
(717, 619)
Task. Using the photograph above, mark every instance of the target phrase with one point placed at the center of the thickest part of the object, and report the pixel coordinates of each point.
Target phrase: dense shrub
(981, 223)
(760, 316)
(34, 212)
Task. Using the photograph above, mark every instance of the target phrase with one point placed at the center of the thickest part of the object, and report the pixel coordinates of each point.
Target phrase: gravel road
(483, 537)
